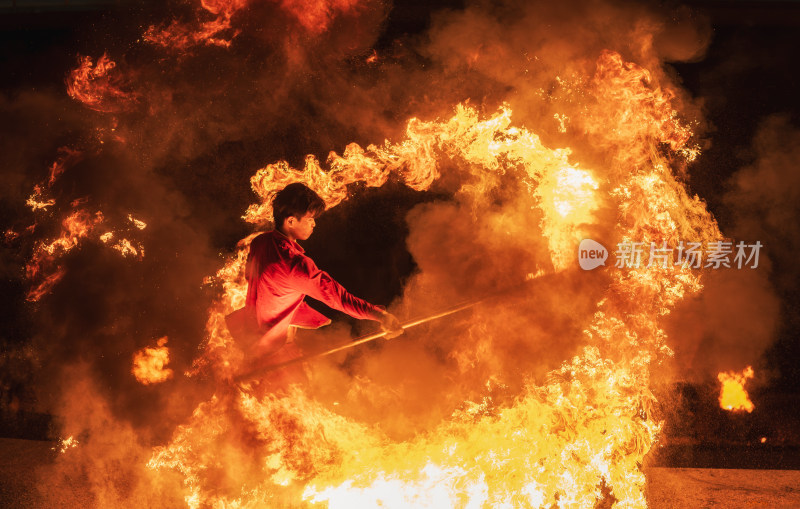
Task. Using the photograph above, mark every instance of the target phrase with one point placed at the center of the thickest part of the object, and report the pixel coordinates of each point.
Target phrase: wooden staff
(372, 337)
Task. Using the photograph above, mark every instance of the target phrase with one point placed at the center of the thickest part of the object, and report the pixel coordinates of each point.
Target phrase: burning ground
(463, 161)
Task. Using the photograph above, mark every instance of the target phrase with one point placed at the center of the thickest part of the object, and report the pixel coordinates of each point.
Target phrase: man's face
(300, 228)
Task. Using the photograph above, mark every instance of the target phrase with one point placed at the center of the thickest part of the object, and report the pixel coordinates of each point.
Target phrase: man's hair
(295, 200)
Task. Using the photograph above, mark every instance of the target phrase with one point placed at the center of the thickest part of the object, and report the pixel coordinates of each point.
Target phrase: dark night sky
(748, 74)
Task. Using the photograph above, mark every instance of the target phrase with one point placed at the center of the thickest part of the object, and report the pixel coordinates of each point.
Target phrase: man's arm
(253, 268)
(318, 284)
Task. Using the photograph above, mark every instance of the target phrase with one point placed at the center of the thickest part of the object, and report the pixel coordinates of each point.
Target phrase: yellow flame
(150, 364)
(36, 202)
(732, 395)
(562, 122)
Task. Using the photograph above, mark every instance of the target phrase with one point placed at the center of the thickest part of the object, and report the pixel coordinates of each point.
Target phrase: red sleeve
(253, 269)
(320, 285)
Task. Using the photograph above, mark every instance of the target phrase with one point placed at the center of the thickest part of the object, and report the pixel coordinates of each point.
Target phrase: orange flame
(636, 108)
(76, 226)
(732, 395)
(150, 364)
(43, 267)
(478, 143)
(136, 222)
(98, 86)
(226, 7)
(37, 202)
(45, 285)
(67, 158)
(126, 249)
(180, 36)
(10, 235)
(316, 15)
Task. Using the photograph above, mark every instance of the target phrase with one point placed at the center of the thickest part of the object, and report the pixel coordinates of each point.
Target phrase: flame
(45, 285)
(562, 122)
(576, 436)
(316, 15)
(636, 108)
(98, 86)
(67, 158)
(227, 7)
(75, 227)
(732, 395)
(43, 263)
(180, 36)
(150, 364)
(43, 268)
(126, 249)
(37, 202)
(520, 457)
(65, 444)
(136, 222)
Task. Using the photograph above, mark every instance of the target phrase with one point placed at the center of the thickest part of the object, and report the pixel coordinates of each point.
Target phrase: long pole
(377, 335)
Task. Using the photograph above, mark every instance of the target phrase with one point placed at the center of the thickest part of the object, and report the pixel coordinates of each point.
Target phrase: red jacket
(279, 276)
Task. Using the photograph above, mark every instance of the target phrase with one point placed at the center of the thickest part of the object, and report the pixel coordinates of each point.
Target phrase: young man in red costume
(280, 275)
